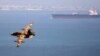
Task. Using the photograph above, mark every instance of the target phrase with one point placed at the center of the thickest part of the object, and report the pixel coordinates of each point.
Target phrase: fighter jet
(25, 33)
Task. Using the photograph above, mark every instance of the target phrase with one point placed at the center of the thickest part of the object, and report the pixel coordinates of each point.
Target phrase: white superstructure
(93, 12)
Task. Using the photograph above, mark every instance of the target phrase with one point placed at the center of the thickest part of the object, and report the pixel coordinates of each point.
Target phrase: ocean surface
(54, 37)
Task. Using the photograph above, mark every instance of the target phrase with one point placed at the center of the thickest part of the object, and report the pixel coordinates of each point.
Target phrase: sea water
(54, 37)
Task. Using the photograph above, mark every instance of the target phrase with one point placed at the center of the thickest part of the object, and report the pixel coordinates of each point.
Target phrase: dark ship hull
(74, 16)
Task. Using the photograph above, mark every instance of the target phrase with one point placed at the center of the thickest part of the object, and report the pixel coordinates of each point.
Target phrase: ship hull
(74, 16)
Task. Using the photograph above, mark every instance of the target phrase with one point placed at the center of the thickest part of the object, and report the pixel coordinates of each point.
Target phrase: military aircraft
(25, 33)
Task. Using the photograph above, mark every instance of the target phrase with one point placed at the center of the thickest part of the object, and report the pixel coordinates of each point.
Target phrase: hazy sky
(66, 3)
